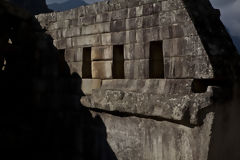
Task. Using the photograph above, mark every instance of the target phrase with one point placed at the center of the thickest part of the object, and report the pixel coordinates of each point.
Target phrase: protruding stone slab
(172, 107)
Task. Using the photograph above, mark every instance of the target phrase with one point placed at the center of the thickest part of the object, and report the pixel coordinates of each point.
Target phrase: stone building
(153, 70)
(160, 80)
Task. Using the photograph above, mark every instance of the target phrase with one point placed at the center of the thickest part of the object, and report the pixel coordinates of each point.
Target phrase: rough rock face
(33, 6)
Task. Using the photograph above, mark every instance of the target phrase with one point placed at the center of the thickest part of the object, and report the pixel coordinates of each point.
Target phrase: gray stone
(102, 69)
(136, 69)
(198, 67)
(90, 84)
(102, 53)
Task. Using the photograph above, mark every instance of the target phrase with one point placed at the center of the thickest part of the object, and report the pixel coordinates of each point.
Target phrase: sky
(230, 9)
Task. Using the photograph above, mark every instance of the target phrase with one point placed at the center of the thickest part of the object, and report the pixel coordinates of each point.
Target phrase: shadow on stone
(224, 59)
(41, 116)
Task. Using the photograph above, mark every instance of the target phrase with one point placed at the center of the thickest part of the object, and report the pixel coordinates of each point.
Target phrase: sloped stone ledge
(172, 107)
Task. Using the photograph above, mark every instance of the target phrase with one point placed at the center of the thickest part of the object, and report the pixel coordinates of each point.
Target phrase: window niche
(156, 61)
(118, 62)
(87, 63)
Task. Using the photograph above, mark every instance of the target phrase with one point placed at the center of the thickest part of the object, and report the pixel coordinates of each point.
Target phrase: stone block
(106, 39)
(88, 85)
(131, 12)
(165, 18)
(171, 107)
(88, 19)
(134, 23)
(91, 9)
(150, 21)
(119, 14)
(102, 69)
(60, 44)
(151, 34)
(186, 46)
(118, 25)
(73, 54)
(172, 5)
(130, 36)
(69, 14)
(81, 11)
(88, 40)
(104, 17)
(76, 67)
(136, 51)
(180, 16)
(139, 35)
(139, 11)
(147, 9)
(69, 42)
(71, 32)
(117, 5)
(198, 67)
(136, 69)
(96, 28)
(156, 140)
(118, 37)
(102, 53)
(155, 86)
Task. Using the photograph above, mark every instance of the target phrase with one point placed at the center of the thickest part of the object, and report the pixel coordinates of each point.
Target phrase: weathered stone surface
(86, 40)
(102, 53)
(136, 69)
(76, 67)
(154, 86)
(73, 55)
(89, 84)
(96, 28)
(136, 51)
(102, 69)
(198, 67)
(186, 46)
(136, 138)
(172, 107)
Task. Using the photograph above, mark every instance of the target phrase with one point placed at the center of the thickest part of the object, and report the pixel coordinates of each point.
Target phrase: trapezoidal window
(87, 63)
(156, 64)
(118, 62)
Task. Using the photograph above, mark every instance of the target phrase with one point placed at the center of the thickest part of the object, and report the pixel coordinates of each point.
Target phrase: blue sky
(230, 11)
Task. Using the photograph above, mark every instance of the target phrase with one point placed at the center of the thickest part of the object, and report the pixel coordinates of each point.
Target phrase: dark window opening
(118, 62)
(156, 64)
(87, 63)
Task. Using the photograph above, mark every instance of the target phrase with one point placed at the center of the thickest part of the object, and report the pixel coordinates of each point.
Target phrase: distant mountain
(66, 5)
(33, 6)
(236, 41)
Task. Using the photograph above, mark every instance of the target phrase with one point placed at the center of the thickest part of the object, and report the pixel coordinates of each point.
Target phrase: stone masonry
(153, 70)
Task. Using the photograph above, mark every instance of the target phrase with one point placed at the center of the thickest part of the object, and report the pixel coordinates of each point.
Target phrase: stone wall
(150, 114)
(133, 24)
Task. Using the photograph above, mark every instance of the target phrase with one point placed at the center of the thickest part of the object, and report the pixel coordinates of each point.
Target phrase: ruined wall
(160, 111)
(134, 24)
